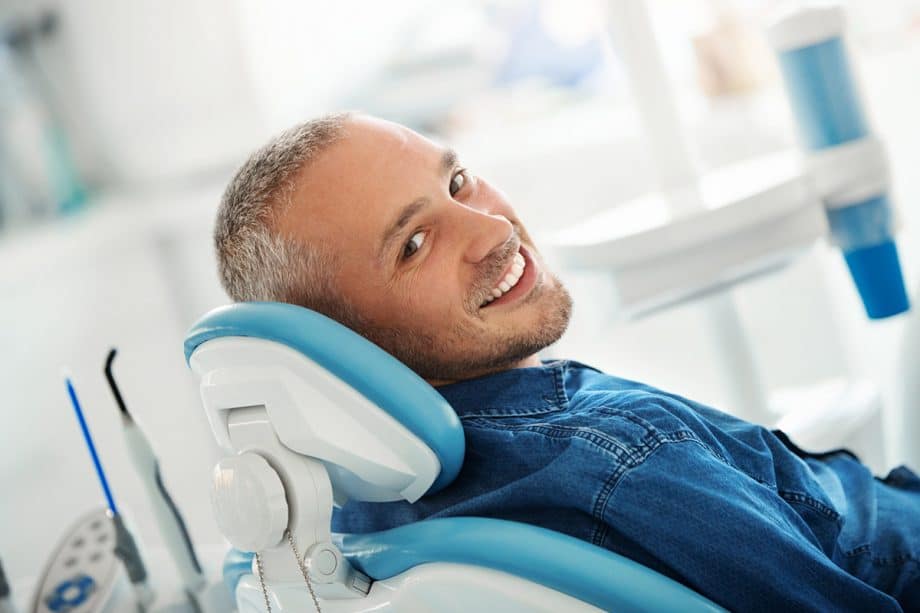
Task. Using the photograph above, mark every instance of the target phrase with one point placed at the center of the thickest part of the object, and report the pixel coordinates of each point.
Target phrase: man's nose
(483, 232)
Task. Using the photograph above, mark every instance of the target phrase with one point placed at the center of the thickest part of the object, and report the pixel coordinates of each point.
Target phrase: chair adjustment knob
(249, 502)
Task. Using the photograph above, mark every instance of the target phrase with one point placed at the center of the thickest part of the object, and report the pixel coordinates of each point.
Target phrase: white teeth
(509, 280)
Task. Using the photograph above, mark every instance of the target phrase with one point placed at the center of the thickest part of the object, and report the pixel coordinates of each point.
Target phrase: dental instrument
(846, 161)
(125, 547)
(169, 520)
(84, 574)
(6, 600)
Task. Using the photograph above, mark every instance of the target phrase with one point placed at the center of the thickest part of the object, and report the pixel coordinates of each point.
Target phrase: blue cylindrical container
(848, 162)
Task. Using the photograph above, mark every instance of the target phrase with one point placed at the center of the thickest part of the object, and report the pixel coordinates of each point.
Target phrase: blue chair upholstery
(582, 570)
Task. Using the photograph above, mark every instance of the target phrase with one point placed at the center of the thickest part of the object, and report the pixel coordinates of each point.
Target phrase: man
(383, 230)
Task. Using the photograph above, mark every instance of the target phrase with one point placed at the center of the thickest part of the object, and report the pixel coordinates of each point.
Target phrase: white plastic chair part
(441, 587)
(307, 491)
(307, 517)
(369, 454)
(249, 502)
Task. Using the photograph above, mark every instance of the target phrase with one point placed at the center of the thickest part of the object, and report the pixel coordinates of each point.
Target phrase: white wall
(152, 91)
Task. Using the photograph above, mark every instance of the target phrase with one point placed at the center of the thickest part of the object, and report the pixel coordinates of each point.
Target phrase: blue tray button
(70, 593)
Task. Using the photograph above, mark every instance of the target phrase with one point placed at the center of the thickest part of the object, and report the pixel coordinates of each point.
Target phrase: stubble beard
(465, 351)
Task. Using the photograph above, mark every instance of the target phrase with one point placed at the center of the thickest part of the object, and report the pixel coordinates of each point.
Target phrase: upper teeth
(510, 279)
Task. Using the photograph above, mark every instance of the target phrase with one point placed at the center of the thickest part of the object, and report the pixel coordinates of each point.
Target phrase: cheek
(438, 291)
(434, 297)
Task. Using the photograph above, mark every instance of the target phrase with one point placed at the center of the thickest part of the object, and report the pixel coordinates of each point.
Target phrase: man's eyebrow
(448, 162)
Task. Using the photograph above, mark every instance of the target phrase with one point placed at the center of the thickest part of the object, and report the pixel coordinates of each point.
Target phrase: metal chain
(268, 606)
(303, 571)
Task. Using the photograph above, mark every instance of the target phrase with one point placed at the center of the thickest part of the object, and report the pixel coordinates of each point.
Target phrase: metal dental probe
(169, 520)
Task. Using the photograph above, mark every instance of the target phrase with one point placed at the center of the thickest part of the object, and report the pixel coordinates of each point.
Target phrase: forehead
(360, 181)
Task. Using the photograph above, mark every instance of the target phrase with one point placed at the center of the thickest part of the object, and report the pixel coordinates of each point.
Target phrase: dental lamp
(757, 216)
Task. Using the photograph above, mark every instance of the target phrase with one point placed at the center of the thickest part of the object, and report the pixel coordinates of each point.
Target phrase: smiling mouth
(509, 280)
(518, 279)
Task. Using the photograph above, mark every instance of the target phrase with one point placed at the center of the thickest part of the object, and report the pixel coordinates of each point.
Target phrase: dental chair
(309, 415)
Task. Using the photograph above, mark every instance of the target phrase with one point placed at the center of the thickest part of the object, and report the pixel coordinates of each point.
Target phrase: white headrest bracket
(308, 497)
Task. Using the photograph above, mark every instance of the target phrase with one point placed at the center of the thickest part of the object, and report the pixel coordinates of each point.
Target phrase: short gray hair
(257, 263)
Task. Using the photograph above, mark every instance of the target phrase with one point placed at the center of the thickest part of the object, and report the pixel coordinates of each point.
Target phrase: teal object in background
(827, 109)
(66, 185)
(824, 97)
(863, 231)
(877, 273)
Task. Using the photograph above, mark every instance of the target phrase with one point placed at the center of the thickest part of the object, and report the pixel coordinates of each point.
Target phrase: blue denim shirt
(729, 508)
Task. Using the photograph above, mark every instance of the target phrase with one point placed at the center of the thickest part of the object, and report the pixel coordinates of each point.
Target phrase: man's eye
(457, 182)
(415, 243)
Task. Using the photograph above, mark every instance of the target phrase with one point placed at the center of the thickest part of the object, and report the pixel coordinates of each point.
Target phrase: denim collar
(519, 391)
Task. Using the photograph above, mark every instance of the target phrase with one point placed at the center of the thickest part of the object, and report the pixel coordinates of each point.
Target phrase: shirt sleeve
(697, 519)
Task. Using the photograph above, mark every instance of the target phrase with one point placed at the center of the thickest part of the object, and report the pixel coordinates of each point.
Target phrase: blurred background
(121, 122)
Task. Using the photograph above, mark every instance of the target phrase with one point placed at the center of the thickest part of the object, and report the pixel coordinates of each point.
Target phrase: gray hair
(257, 263)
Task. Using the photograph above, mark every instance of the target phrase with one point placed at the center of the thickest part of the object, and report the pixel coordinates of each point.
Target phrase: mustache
(489, 270)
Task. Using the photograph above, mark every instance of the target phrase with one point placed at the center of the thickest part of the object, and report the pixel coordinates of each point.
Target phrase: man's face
(433, 258)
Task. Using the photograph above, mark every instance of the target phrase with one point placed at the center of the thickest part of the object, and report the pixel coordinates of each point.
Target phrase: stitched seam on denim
(624, 459)
(599, 439)
(651, 432)
(681, 435)
(506, 412)
(809, 501)
(878, 561)
(606, 493)
(677, 436)
(603, 496)
(562, 399)
(600, 532)
(629, 415)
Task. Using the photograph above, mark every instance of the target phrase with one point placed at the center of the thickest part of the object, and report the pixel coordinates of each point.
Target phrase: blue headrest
(364, 366)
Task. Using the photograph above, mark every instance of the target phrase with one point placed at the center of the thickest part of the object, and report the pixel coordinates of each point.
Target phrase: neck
(528, 362)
